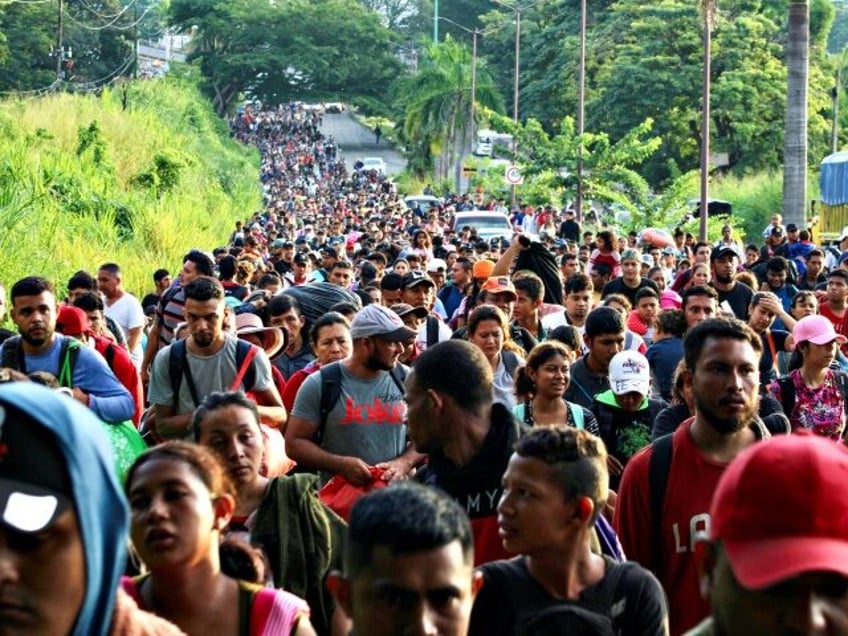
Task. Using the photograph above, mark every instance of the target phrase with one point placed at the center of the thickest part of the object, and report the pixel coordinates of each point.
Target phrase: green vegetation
(85, 180)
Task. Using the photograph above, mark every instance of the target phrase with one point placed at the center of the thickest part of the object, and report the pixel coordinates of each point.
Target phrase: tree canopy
(276, 52)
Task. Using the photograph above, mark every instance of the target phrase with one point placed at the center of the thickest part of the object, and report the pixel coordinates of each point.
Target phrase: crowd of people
(567, 432)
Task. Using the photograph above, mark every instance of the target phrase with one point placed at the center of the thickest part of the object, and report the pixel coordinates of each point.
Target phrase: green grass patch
(137, 175)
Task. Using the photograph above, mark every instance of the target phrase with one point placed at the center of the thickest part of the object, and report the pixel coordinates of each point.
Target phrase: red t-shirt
(837, 321)
(691, 483)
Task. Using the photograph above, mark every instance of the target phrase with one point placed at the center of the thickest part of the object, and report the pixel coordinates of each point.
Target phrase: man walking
(122, 307)
(365, 426)
(208, 360)
(666, 489)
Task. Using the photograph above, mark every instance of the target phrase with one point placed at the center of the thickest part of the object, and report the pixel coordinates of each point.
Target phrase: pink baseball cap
(816, 329)
(781, 509)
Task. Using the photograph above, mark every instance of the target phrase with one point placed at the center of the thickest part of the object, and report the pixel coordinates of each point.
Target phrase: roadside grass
(85, 180)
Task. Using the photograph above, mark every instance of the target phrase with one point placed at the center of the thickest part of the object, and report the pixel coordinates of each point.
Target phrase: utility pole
(435, 21)
(581, 102)
(60, 51)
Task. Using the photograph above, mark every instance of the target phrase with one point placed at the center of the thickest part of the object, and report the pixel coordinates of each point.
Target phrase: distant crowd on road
(353, 416)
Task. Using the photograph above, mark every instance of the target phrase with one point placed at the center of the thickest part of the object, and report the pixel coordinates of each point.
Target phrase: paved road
(357, 141)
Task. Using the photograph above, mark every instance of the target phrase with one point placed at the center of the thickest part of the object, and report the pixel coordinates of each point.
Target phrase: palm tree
(795, 142)
(438, 102)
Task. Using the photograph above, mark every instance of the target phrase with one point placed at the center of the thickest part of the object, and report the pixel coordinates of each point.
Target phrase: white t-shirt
(128, 313)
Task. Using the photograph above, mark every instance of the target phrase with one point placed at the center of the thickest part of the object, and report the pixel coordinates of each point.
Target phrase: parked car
(489, 225)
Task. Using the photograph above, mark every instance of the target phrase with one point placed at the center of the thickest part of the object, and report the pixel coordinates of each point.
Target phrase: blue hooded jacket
(101, 508)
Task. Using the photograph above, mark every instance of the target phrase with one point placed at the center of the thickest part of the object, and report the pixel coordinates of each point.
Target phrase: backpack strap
(510, 361)
(246, 372)
(787, 394)
(331, 391)
(432, 331)
(398, 375)
(68, 361)
(577, 415)
(177, 368)
(260, 610)
(662, 452)
(109, 354)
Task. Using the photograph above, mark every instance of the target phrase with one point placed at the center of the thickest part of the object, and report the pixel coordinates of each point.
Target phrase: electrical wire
(34, 91)
(100, 82)
(91, 9)
(110, 24)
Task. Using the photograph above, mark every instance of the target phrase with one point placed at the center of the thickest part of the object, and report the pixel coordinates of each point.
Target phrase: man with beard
(664, 500)
(725, 262)
(40, 348)
(365, 427)
(207, 361)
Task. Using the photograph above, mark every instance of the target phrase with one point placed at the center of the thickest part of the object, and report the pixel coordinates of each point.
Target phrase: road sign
(512, 175)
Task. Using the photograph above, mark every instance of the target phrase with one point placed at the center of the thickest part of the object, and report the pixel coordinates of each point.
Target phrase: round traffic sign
(512, 175)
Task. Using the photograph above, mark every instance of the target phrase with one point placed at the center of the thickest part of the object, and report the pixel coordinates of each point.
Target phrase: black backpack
(14, 358)
(331, 390)
(178, 368)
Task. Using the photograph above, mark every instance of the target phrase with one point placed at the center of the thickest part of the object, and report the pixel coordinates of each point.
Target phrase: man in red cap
(74, 322)
(777, 557)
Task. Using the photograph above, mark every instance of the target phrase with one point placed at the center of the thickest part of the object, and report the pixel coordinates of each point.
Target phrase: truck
(831, 213)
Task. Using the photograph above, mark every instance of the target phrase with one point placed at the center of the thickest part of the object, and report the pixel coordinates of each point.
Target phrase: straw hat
(273, 338)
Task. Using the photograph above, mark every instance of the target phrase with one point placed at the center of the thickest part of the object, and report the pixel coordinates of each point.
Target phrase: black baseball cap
(35, 485)
(414, 278)
(722, 250)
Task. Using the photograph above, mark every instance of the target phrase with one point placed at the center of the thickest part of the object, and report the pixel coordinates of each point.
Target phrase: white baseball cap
(630, 372)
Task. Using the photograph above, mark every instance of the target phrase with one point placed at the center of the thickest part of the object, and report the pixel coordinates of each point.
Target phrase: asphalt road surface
(357, 141)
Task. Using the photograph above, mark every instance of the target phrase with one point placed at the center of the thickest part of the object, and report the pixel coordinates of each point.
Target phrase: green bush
(71, 167)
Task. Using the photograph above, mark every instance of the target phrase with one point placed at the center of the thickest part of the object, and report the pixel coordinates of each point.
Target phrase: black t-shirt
(618, 286)
(739, 298)
(570, 230)
(510, 597)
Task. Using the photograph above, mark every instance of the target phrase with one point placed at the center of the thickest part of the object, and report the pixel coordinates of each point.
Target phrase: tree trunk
(795, 142)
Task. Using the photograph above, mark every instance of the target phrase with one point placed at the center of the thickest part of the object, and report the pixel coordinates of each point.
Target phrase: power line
(91, 9)
(109, 77)
(111, 23)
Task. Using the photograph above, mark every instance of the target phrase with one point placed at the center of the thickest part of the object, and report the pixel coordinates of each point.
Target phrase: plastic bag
(275, 461)
(127, 445)
(339, 494)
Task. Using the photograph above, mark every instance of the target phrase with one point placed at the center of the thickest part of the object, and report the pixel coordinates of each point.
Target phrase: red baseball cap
(781, 509)
(72, 321)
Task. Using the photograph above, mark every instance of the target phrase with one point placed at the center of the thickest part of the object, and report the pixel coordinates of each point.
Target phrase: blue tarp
(834, 179)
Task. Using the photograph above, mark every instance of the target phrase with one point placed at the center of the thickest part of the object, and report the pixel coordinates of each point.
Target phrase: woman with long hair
(181, 503)
(813, 394)
(540, 386)
(422, 245)
(302, 539)
(488, 329)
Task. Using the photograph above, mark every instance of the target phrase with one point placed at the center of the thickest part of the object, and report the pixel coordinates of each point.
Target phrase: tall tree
(795, 144)
(281, 51)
